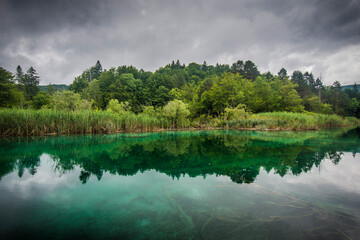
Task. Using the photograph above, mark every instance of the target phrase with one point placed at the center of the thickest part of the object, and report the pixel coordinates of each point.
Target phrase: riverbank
(27, 122)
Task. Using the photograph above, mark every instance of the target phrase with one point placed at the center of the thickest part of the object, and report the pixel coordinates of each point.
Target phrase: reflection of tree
(247, 175)
(28, 162)
(236, 154)
(335, 157)
(84, 176)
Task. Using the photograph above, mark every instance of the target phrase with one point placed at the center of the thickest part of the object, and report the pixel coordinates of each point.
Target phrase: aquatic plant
(29, 122)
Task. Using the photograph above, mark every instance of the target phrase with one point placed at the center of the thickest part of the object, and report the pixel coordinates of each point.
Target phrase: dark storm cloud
(35, 17)
(62, 38)
(329, 19)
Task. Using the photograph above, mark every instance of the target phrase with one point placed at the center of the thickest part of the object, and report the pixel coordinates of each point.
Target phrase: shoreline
(27, 122)
(278, 129)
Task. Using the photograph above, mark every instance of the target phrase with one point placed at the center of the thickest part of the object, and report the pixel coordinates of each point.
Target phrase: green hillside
(57, 87)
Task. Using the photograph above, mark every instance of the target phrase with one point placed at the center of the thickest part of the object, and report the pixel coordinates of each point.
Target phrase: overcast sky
(62, 38)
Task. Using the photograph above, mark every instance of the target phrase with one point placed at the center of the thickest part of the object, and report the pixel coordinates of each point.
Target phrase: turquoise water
(182, 185)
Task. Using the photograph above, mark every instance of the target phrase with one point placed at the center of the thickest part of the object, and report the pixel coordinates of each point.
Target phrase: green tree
(50, 89)
(319, 86)
(290, 99)
(177, 112)
(93, 94)
(79, 84)
(309, 78)
(105, 83)
(326, 109)
(30, 83)
(149, 110)
(282, 73)
(238, 67)
(206, 105)
(68, 100)
(119, 108)
(19, 74)
(313, 104)
(96, 71)
(206, 85)
(337, 98)
(250, 70)
(302, 86)
(352, 107)
(221, 94)
(264, 96)
(9, 94)
(236, 113)
(41, 99)
(162, 95)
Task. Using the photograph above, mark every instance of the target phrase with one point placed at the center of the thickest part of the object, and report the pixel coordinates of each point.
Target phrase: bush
(177, 112)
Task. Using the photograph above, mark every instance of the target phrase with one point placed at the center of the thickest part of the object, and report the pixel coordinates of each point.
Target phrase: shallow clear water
(182, 185)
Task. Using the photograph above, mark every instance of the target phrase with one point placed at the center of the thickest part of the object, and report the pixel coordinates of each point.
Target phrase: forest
(179, 96)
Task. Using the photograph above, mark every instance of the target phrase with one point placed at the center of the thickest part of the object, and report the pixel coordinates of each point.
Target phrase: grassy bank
(22, 122)
(292, 121)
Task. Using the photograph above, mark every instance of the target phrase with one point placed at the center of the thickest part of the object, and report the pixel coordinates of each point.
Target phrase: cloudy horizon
(61, 39)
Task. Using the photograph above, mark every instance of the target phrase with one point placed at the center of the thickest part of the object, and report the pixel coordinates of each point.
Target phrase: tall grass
(25, 122)
(293, 121)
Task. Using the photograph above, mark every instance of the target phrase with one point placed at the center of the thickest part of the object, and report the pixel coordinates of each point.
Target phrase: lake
(182, 185)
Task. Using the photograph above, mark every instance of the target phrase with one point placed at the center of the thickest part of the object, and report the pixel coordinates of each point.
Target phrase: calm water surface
(182, 185)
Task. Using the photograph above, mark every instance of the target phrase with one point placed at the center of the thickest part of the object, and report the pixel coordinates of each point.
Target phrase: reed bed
(293, 121)
(28, 122)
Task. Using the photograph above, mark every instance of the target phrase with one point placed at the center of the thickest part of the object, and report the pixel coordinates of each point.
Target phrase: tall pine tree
(30, 83)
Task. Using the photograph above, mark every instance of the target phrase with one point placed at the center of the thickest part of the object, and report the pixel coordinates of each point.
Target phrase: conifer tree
(30, 83)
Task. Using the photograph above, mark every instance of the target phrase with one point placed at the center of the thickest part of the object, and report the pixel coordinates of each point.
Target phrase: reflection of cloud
(343, 176)
(43, 180)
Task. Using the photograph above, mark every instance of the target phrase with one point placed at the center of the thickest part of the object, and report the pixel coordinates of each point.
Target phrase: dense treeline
(209, 90)
(182, 95)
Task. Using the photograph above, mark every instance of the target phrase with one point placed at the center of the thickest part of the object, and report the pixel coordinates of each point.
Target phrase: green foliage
(352, 107)
(25, 122)
(50, 89)
(79, 84)
(282, 74)
(9, 94)
(177, 112)
(313, 104)
(326, 109)
(208, 89)
(19, 74)
(290, 100)
(177, 96)
(149, 110)
(293, 121)
(69, 101)
(236, 113)
(118, 108)
(93, 94)
(250, 70)
(29, 82)
(41, 99)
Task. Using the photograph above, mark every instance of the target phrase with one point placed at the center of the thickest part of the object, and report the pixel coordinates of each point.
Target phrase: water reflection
(237, 154)
(112, 186)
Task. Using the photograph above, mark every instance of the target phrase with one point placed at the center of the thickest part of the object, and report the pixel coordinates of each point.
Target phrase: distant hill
(348, 87)
(57, 87)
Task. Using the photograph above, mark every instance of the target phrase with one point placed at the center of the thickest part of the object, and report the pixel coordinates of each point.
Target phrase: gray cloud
(62, 38)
